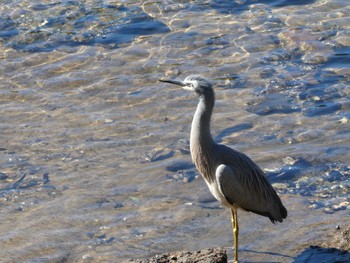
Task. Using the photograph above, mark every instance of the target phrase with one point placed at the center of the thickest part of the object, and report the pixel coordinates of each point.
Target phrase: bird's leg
(237, 232)
(234, 220)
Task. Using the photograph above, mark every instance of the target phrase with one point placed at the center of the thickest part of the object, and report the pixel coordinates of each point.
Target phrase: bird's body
(232, 177)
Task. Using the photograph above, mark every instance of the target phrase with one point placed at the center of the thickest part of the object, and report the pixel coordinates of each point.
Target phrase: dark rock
(209, 255)
(3, 176)
(118, 205)
(315, 254)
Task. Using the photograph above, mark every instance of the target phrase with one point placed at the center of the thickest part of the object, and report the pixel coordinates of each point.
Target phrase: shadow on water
(69, 24)
(316, 254)
(267, 253)
(227, 6)
(341, 57)
(230, 130)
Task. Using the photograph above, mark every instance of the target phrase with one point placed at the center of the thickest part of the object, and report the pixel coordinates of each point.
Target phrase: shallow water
(94, 151)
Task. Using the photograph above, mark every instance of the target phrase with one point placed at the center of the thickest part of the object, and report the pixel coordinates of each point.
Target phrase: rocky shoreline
(334, 246)
(209, 255)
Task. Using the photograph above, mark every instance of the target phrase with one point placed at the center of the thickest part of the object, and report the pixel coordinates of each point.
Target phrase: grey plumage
(232, 177)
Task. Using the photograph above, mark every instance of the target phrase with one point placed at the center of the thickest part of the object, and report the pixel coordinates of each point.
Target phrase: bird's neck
(201, 142)
(200, 129)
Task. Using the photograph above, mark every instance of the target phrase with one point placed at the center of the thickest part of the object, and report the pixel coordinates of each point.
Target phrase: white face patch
(190, 84)
(188, 87)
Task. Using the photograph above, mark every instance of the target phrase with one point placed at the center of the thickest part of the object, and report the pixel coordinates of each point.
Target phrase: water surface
(94, 151)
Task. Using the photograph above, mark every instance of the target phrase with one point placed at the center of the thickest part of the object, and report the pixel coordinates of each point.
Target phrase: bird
(231, 176)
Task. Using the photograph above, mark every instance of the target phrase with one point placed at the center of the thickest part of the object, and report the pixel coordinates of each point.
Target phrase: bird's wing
(248, 190)
(235, 189)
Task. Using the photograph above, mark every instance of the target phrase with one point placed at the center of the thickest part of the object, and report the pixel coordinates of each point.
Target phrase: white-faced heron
(232, 177)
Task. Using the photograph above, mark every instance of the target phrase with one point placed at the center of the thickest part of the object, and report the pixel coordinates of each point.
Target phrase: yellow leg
(235, 228)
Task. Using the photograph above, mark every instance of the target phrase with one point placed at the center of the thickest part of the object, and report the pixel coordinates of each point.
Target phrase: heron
(231, 176)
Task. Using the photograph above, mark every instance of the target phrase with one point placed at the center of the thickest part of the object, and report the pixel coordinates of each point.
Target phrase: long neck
(201, 142)
(200, 130)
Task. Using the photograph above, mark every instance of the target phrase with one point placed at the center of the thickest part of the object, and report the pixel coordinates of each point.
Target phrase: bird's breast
(215, 191)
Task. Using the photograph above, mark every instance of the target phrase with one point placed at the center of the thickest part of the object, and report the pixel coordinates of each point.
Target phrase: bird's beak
(178, 83)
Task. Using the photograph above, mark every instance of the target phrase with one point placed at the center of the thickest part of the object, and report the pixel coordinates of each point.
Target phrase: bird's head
(196, 83)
